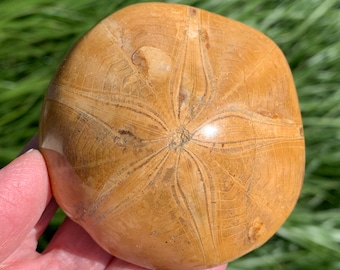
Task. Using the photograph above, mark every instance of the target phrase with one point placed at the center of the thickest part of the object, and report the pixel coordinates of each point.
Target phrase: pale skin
(26, 207)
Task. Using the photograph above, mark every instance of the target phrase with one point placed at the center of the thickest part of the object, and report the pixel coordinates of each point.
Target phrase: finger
(71, 246)
(45, 218)
(116, 264)
(52, 205)
(24, 194)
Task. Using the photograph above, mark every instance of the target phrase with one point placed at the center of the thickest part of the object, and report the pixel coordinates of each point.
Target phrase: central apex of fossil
(179, 138)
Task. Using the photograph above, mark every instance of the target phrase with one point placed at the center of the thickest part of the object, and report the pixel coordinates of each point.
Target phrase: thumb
(24, 194)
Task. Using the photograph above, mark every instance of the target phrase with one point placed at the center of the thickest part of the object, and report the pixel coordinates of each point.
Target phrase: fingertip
(221, 267)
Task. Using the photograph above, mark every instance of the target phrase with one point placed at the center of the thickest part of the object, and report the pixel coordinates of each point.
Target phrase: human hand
(26, 207)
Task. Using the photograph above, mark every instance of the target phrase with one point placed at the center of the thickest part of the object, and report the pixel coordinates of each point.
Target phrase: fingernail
(29, 150)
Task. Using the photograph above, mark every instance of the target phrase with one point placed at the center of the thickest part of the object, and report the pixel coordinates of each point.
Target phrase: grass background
(36, 34)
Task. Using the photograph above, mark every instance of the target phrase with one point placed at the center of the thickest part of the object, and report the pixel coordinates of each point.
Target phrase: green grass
(36, 34)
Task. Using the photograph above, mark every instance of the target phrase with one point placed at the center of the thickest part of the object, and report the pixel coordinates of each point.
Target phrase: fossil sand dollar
(174, 137)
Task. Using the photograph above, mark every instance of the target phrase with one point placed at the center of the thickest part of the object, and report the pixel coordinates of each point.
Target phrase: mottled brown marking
(192, 11)
(256, 230)
(205, 38)
(139, 60)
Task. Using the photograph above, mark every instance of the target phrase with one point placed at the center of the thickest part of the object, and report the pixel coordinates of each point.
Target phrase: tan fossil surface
(174, 136)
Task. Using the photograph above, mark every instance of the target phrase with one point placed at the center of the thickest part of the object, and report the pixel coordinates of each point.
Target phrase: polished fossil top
(174, 136)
